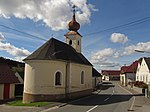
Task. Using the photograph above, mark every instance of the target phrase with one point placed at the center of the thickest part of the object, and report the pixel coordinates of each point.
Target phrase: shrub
(141, 84)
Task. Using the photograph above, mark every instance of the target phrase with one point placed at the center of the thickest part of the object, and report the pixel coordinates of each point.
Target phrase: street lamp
(141, 51)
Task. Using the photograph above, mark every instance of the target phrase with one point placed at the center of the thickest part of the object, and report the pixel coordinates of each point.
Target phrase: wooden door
(6, 91)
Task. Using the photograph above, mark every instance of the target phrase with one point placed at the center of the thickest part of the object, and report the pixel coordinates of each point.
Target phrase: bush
(141, 84)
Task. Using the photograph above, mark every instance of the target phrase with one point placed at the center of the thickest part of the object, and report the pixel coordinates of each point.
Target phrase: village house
(58, 70)
(7, 82)
(143, 70)
(128, 73)
(110, 75)
(96, 77)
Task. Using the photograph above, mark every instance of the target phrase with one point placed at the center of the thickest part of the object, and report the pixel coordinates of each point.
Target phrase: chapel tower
(73, 38)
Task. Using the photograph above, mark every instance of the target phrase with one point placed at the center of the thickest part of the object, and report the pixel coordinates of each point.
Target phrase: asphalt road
(109, 99)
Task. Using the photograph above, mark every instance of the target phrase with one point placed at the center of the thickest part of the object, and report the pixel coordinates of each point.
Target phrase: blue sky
(106, 50)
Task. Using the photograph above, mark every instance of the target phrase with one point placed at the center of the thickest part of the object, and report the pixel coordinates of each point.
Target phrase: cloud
(1, 37)
(102, 55)
(118, 38)
(54, 13)
(142, 46)
(100, 58)
(18, 53)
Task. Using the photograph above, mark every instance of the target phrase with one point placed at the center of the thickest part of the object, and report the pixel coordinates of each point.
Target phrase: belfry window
(70, 42)
(58, 77)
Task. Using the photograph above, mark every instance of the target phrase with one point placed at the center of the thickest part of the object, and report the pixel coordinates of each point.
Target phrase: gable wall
(143, 72)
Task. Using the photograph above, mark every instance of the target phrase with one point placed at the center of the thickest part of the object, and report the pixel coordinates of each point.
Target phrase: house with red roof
(7, 82)
(128, 73)
(143, 71)
(111, 75)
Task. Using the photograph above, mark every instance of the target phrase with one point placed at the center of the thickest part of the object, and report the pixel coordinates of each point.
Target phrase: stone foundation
(43, 97)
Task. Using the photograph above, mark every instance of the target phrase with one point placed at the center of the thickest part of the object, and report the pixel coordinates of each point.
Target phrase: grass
(35, 104)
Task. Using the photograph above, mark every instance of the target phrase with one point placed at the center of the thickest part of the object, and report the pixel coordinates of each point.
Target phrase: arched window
(58, 78)
(70, 42)
(82, 77)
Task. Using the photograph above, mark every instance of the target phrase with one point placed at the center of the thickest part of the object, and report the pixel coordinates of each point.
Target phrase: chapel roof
(95, 73)
(54, 49)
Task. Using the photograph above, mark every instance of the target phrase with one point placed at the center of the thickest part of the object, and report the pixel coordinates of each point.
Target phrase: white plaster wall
(39, 77)
(1, 91)
(75, 77)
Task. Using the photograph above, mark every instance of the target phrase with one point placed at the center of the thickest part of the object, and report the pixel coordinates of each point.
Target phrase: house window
(146, 79)
(137, 78)
(70, 42)
(82, 77)
(58, 78)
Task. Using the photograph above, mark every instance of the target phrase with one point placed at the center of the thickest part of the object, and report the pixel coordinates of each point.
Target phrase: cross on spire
(74, 9)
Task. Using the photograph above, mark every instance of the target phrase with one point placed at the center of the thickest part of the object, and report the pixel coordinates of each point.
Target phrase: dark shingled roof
(57, 50)
(6, 75)
(95, 73)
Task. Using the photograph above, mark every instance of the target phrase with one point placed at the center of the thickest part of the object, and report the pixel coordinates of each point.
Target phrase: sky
(111, 29)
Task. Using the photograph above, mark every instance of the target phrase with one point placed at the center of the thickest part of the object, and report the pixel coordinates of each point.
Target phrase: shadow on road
(100, 99)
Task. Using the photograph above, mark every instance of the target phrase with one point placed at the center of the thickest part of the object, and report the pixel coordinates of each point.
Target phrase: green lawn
(36, 104)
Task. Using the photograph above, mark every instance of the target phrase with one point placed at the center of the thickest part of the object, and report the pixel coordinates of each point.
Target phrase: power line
(122, 25)
(23, 32)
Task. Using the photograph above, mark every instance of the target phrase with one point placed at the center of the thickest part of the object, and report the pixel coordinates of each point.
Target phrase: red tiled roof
(111, 72)
(6, 75)
(130, 69)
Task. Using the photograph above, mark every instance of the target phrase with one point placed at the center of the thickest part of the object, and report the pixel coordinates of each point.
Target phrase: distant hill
(11, 63)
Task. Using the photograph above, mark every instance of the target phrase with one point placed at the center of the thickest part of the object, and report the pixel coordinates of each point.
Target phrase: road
(109, 99)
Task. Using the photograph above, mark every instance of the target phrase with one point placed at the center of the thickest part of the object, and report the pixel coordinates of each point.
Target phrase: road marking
(46, 110)
(110, 95)
(104, 101)
(92, 108)
(131, 107)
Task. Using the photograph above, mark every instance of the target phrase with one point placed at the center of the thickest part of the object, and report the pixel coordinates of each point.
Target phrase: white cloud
(1, 37)
(15, 51)
(101, 58)
(54, 13)
(102, 55)
(118, 38)
(142, 46)
(18, 53)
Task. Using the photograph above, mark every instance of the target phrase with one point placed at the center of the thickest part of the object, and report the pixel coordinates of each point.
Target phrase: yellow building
(58, 70)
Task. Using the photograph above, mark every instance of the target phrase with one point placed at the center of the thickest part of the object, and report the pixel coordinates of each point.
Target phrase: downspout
(67, 81)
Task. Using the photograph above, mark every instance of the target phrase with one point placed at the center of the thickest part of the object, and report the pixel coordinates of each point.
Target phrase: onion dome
(74, 25)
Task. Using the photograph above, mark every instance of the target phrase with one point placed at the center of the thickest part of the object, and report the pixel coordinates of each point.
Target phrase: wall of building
(1, 91)
(75, 74)
(12, 91)
(123, 79)
(39, 77)
(39, 82)
(143, 73)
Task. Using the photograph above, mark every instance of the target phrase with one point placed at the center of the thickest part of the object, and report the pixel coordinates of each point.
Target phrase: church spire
(73, 24)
